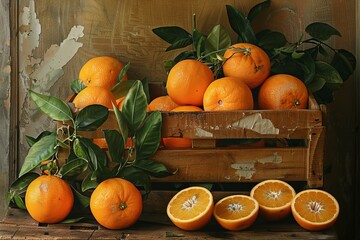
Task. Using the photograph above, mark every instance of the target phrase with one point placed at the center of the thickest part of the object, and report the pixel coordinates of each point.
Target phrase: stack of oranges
(246, 69)
(274, 200)
(99, 74)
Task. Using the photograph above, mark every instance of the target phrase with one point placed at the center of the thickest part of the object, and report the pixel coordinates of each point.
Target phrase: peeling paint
(256, 123)
(247, 169)
(202, 133)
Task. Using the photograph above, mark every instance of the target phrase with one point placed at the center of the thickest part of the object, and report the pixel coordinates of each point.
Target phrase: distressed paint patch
(256, 123)
(246, 170)
(202, 133)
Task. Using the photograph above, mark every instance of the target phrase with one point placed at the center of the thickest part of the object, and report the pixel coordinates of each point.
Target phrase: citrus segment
(274, 198)
(247, 62)
(116, 203)
(187, 82)
(49, 199)
(191, 208)
(236, 212)
(228, 93)
(314, 209)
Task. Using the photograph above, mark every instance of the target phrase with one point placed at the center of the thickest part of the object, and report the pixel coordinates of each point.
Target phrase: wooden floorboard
(19, 225)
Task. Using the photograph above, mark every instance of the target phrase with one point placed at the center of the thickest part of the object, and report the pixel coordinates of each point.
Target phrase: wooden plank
(234, 165)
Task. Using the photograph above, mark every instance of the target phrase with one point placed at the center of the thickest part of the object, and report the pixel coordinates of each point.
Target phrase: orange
(116, 203)
(120, 102)
(162, 103)
(251, 64)
(94, 95)
(170, 142)
(315, 210)
(187, 82)
(49, 199)
(191, 208)
(228, 93)
(102, 71)
(274, 198)
(236, 212)
(283, 91)
(101, 142)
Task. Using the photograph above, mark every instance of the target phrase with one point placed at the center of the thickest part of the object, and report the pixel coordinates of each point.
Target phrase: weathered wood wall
(57, 37)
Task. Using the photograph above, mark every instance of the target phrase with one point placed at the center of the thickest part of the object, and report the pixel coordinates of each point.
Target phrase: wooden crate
(207, 162)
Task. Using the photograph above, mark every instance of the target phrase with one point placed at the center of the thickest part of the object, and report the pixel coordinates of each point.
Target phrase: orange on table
(191, 208)
(251, 64)
(274, 198)
(236, 212)
(162, 103)
(94, 95)
(116, 203)
(49, 199)
(172, 142)
(187, 82)
(101, 71)
(315, 210)
(226, 94)
(283, 91)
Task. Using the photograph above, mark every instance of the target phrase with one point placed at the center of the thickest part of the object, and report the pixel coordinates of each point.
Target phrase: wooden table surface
(19, 225)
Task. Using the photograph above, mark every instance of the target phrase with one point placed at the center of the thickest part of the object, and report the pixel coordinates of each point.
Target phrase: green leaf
(153, 168)
(91, 118)
(218, 39)
(73, 168)
(31, 140)
(321, 31)
(83, 200)
(345, 63)
(42, 150)
(241, 25)
(20, 185)
(122, 88)
(52, 106)
(121, 121)
(134, 107)
(148, 136)
(257, 9)
(94, 153)
(88, 183)
(269, 40)
(123, 72)
(329, 74)
(176, 36)
(79, 149)
(115, 144)
(137, 177)
(77, 85)
(145, 83)
(19, 201)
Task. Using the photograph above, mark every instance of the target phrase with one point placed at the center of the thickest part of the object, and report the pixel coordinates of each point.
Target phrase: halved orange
(274, 198)
(191, 208)
(236, 212)
(314, 209)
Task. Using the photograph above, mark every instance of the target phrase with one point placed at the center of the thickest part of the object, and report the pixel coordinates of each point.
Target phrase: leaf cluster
(86, 160)
(321, 67)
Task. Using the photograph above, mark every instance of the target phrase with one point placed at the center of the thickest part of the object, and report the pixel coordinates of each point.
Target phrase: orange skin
(116, 203)
(226, 94)
(283, 91)
(94, 95)
(251, 65)
(162, 103)
(187, 82)
(49, 199)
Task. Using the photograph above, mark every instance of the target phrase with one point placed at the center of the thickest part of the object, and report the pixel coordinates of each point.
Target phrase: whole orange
(228, 93)
(49, 199)
(172, 142)
(187, 82)
(162, 103)
(116, 203)
(102, 71)
(283, 91)
(94, 95)
(247, 62)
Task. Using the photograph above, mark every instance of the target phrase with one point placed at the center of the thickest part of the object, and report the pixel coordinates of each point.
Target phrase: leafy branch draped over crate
(132, 162)
(320, 66)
